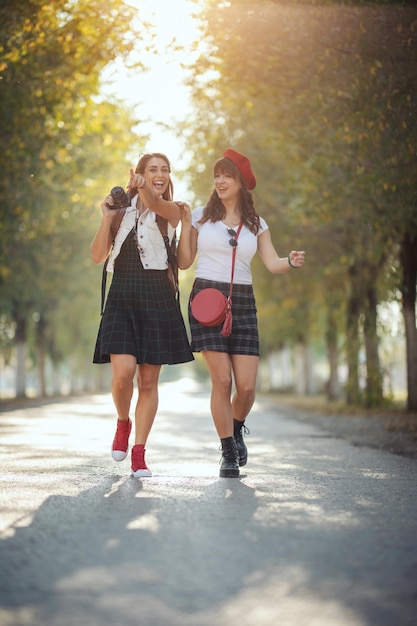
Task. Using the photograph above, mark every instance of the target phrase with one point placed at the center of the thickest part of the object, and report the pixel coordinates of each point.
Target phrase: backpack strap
(171, 249)
(114, 228)
(116, 221)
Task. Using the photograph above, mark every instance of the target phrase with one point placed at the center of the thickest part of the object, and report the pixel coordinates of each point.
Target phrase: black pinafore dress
(142, 316)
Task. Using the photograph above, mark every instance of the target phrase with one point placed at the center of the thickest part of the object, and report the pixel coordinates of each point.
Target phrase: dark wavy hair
(215, 210)
(141, 166)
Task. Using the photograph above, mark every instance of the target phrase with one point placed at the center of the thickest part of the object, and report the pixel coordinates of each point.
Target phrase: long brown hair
(215, 210)
(141, 166)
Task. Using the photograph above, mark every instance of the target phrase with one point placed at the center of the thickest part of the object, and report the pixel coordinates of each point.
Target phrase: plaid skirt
(244, 338)
(141, 316)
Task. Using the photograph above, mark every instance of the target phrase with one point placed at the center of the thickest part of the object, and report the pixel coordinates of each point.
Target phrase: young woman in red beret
(230, 221)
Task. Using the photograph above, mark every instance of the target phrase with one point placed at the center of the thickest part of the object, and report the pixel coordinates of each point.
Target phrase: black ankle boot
(229, 464)
(238, 429)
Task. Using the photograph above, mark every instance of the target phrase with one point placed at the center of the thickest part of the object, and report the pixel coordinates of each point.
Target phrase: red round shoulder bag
(209, 307)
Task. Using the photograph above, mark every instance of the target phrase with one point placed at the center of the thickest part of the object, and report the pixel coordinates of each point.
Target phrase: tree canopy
(322, 97)
(61, 144)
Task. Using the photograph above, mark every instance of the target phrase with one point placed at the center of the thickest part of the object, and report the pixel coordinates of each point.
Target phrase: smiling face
(157, 175)
(156, 169)
(227, 181)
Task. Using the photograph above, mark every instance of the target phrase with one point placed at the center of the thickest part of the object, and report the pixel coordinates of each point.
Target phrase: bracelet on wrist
(294, 267)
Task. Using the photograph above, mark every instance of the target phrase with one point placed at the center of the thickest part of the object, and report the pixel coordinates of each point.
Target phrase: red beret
(243, 165)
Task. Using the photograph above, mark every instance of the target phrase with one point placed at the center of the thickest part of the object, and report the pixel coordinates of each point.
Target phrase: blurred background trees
(61, 145)
(323, 99)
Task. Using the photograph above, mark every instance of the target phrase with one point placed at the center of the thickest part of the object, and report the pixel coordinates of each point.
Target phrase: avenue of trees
(61, 147)
(321, 96)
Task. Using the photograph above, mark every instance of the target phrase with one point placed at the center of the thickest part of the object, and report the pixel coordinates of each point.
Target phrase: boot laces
(243, 430)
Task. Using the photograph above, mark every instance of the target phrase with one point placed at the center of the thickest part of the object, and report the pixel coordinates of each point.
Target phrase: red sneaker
(121, 440)
(139, 467)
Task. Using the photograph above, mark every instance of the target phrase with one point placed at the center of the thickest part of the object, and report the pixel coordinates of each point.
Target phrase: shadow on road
(315, 533)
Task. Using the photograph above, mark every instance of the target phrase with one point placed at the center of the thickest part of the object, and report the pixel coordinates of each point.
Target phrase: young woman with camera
(141, 327)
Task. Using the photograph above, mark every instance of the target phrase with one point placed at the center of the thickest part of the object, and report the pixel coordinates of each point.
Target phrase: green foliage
(322, 98)
(62, 149)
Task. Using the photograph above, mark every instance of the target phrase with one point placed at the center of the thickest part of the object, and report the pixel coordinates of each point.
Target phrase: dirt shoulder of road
(392, 430)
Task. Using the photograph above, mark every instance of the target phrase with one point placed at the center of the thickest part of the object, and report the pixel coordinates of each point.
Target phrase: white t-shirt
(214, 261)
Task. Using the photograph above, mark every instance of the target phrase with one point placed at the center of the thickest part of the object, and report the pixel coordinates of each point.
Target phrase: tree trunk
(20, 343)
(374, 392)
(309, 371)
(352, 341)
(299, 372)
(40, 349)
(333, 384)
(304, 378)
(408, 260)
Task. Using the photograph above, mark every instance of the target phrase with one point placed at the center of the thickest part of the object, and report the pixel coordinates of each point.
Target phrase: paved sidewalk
(316, 532)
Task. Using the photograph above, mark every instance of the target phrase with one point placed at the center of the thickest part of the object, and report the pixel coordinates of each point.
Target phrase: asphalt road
(316, 532)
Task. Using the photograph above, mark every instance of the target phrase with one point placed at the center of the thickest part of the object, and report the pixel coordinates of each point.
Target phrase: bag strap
(228, 320)
(233, 265)
(114, 227)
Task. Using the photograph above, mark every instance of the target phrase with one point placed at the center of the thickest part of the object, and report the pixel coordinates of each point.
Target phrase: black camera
(121, 199)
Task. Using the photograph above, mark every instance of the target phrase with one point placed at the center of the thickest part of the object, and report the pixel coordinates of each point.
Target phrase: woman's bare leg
(245, 370)
(220, 370)
(123, 370)
(147, 404)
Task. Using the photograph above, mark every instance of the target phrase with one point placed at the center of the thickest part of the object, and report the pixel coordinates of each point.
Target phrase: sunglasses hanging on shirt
(233, 235)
